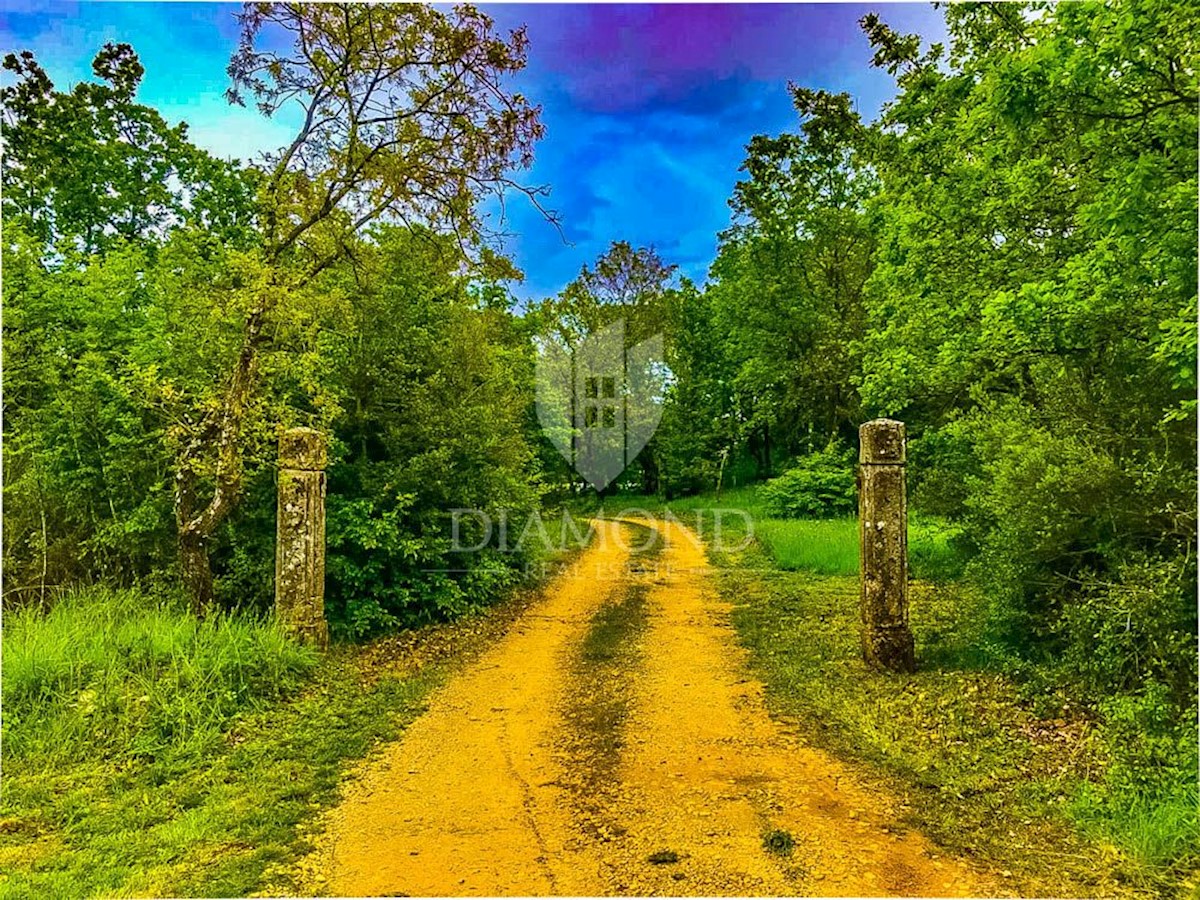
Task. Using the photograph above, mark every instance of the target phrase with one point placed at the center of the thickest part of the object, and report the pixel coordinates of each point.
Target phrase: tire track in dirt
(717, 774)
(612, 743)
(470, 801)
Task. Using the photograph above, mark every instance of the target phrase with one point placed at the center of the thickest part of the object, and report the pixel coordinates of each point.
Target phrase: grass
(1156, 831)
(830, 547)
(823, 546)
(147, 754)
(108, 671)
(820, 546)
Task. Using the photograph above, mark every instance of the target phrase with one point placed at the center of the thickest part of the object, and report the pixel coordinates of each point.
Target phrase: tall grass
(108, 671)
(1155, 829)
(830, 547)
(822, 546)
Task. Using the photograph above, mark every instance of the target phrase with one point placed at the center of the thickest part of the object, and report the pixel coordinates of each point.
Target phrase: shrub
(1147, 801)
(819, 486)
(1133, 627)
(390, 567)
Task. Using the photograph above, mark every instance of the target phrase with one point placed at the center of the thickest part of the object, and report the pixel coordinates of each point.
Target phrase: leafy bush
(1085, 570)
(1136, 628)
(386, 570)
(819, 486)
(937, 550)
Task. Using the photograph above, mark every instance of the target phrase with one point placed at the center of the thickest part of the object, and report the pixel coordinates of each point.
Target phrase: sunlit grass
(149, 754)
(821, 546)
(830, 547)
(113, 670)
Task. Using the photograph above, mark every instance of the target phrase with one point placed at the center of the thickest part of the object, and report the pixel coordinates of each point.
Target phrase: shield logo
(600, 402)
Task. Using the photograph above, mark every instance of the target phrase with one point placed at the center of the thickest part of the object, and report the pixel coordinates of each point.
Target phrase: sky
(647, 107)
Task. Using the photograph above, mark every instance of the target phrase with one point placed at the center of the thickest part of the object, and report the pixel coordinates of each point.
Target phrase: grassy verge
(976, 771)
(146, 754)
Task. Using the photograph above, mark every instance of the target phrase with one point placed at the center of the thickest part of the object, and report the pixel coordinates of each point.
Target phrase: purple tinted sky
(648, 107)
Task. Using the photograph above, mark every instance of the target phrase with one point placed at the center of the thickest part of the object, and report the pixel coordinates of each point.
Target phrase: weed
(779, 842)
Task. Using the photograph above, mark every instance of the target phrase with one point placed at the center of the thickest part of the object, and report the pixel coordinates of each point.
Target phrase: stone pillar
(887, 642)
(300, 536)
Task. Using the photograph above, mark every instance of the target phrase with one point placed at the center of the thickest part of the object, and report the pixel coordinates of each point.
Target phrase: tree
(434, 381)
(105, 205)
(700, 428)
(787, 284)
(625, 284)
(1032, 316)
(131, 177)
(405, 117)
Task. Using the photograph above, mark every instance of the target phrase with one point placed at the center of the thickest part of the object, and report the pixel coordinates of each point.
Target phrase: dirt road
(613, 743)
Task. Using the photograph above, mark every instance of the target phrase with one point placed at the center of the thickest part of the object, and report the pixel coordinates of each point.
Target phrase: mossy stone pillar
(887, 642)
(300, 536)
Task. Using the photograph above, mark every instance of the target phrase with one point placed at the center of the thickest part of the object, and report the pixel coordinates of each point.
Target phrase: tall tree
(131, 176)
(788, 280)
(1032, 314)
(626, 284)
(404, 116)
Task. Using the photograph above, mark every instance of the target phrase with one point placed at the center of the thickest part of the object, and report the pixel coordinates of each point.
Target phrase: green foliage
(1133, 631)
(384, 573)
(697, 443)
(628, 285)
(208, 337)
(1035, 266)
(405, 115)
(785, 291)
(135, 352)
(821, 485)
(91, 169)
(937, 549)
(109, 358)
(1148, 801)
(436, 384)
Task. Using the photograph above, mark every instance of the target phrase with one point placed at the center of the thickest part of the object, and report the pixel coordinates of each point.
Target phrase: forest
(1005, 260)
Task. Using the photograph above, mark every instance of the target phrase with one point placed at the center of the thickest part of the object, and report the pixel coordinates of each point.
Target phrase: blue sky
(647, 108)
